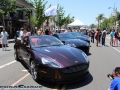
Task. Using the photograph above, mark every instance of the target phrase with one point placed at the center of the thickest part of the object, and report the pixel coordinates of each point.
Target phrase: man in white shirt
(21, 33)
(4, 36)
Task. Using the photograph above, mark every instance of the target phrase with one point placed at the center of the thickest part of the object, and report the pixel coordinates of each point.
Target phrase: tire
(34, 71)
(16, 56)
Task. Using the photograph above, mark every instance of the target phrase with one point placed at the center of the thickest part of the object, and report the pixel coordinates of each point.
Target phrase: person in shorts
(4, 36)
(112, 37)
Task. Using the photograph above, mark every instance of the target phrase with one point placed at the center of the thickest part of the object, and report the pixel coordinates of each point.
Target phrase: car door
(25, 50)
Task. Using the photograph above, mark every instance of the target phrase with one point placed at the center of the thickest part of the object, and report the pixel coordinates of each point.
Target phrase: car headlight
(50, 62)
(72, 45)
(85, 56)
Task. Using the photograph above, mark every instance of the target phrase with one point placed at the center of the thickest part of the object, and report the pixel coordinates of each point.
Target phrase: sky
(87, 10)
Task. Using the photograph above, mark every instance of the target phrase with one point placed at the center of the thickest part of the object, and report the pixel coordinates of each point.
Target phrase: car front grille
(76, 68)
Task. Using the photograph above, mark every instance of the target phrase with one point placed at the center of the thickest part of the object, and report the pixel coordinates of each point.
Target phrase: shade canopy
(77, 22)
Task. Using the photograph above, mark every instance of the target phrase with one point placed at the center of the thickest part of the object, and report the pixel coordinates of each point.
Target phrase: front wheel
(34, 71)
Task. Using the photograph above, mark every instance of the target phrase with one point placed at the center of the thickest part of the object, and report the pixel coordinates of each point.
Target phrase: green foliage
(99, 19)
(68, 20)
(40, 6)
(60, 17)
(92, 26)
(7, 7)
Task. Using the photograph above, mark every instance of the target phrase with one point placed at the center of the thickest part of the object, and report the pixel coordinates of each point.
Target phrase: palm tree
(99, 19)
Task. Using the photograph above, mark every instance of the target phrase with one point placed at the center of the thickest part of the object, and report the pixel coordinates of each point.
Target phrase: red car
(50, 60)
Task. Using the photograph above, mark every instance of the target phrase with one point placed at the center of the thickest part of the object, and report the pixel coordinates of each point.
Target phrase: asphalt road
(103, 59)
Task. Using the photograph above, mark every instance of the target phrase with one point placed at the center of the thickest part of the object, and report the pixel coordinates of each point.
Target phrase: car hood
(77, 42)
(65, 55)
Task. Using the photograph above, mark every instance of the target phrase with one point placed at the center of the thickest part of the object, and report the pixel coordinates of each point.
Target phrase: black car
(80, 36)
(50, 60)
(71, 40)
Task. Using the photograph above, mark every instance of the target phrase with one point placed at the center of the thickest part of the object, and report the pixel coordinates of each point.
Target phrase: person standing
(4, 36)
(103, 37)
(116, 38)
(92, 34)
(97, 37)
(112, 37)
(21, 33)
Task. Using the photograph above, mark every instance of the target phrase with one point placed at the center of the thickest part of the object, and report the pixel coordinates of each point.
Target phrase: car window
(66, 36)
(44, 41)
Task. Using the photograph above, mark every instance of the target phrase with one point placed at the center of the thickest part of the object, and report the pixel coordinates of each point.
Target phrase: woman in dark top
(116, 38)
(97, 37)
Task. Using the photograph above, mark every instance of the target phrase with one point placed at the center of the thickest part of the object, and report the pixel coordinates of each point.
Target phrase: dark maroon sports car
(50, 60)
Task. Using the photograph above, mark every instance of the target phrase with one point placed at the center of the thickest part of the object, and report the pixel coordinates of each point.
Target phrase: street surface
(103, 59)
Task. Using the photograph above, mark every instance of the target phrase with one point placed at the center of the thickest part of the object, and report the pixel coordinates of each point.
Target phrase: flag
(51, 11)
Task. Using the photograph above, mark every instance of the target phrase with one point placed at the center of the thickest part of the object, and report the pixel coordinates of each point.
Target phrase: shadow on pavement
(89, 54)
(80, 83)
(72, 85)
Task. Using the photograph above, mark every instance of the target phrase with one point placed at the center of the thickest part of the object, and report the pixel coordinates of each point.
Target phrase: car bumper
(58, 76)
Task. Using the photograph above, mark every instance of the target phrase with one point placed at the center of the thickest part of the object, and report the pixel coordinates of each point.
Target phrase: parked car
(50, 60)
(80, 36)
(71, 40)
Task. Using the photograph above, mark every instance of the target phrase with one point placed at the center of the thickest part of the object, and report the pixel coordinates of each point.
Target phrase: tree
(99, 19)
(68, 20)
(7, 7)
(60, 17)
(92, 26)
(40, 6)
(105, 23)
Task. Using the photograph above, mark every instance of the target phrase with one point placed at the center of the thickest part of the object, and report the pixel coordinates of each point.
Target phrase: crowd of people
(100, 37)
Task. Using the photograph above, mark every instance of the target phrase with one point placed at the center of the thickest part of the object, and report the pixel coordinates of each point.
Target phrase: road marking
(7, 64)
(56, 87)
(114, 48)
(20, 79)
(64, 87)
(26, 70)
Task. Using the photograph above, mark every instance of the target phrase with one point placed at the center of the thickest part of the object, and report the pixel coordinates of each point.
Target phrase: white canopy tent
(76, 23)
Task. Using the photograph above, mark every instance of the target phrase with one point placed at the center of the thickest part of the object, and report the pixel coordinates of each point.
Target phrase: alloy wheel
(34, 72)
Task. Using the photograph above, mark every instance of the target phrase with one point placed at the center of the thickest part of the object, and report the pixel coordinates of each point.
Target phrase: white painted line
(114, 48)
(7, 64)
(26, 70)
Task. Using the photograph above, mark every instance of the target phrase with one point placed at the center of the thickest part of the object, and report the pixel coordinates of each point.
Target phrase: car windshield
(66, 36)
(45, 41)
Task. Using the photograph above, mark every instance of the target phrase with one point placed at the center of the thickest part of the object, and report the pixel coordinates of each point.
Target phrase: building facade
(19, 19)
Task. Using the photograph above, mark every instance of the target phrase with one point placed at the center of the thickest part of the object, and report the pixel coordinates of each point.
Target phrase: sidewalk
(10, 40)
